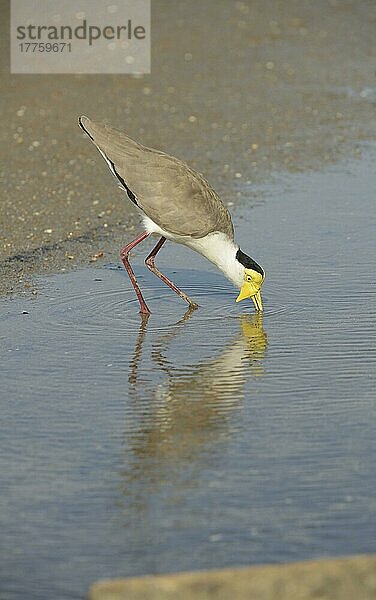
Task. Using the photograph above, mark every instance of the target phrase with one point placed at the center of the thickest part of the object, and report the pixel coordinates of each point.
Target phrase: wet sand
(239, 90)
(341, 579)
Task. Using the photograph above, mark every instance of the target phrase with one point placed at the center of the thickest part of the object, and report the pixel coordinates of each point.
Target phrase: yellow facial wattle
(251, 287)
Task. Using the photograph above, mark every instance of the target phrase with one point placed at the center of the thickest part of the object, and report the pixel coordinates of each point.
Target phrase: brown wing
(174, 196)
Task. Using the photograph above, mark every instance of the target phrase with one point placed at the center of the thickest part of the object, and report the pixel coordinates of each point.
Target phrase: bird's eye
(248, 278)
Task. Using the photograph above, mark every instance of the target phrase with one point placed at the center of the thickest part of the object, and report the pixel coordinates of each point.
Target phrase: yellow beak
(248, 292)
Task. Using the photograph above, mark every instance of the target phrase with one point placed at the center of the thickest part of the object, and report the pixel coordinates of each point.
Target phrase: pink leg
(124, 252)
(149, 261)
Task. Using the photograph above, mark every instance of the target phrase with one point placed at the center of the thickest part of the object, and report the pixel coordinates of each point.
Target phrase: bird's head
(253, 278)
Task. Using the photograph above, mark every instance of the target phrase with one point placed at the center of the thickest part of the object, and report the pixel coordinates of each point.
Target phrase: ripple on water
(106, 307)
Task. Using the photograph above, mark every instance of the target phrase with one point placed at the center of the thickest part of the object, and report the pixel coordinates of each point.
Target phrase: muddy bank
(240, 90)
(340, 579)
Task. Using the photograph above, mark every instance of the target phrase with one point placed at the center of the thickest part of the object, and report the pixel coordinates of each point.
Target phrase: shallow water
(209, 439)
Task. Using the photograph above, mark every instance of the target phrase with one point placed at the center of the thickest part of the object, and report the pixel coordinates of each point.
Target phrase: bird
(177, 204)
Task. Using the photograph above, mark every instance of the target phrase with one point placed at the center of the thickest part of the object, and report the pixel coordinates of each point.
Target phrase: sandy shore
(339, 579)
(239, 90)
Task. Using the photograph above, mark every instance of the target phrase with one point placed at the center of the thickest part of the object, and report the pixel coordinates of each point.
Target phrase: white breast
(216, 247)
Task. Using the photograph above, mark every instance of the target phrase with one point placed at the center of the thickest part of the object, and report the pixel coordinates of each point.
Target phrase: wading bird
(178, 204)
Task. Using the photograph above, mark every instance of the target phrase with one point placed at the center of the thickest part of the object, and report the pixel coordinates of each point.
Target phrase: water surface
(200, 440)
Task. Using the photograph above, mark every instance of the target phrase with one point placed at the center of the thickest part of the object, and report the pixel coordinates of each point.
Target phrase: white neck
(221, 251)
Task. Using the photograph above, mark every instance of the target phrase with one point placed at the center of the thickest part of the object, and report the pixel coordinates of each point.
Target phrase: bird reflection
(192, 407)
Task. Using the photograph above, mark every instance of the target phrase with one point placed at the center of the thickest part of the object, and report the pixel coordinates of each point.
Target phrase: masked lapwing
(177, 204)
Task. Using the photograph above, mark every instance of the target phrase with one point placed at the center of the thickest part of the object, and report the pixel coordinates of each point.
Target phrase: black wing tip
(81, 124)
